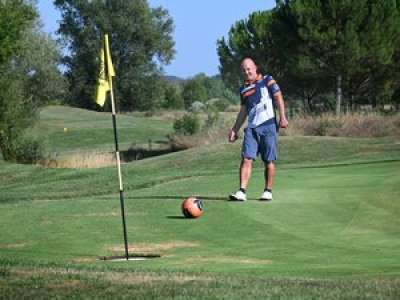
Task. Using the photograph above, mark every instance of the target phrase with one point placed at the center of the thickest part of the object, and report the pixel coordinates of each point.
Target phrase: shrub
(22, 150)
(211, 136)
(189, 124)
(213, 117)
(221, 104)
(347, 125)
(197, 107)
(30, 151)
(321, 126)
(173, 97)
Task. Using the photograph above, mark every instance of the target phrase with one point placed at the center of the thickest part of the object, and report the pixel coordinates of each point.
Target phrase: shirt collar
(259, 77)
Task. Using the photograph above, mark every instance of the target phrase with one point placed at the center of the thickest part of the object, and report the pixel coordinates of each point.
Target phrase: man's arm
(241, 117)
(283, 123)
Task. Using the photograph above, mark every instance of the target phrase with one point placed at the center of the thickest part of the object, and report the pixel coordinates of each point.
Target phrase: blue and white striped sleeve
(272, 85)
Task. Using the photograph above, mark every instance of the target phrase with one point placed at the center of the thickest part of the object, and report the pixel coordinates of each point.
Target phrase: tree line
(141, 43)
(329, 55)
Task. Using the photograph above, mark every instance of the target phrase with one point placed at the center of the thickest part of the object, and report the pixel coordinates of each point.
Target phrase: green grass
(67, 283)
(331, 232)
(89, 131)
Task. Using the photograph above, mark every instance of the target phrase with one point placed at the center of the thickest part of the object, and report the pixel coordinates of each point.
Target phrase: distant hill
(174, 79)
(178, 80)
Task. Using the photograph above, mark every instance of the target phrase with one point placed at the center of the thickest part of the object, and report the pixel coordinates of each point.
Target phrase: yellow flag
(104, 82)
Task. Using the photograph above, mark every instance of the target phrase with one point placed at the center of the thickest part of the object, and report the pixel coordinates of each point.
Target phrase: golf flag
(104, 85)
(104, 82)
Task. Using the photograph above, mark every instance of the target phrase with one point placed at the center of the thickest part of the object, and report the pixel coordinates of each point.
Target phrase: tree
(349, 40)
(194, 90)
(140, 40)
(38, 62)
(264, 39)
(29, 79)
(395, 75)
(15, 16)
(216, 89)
(173, 97)
(312, 46)
(253, 38)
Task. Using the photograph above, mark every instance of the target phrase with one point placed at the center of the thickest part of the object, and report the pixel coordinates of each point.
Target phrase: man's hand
(233, 136)
(283, 122)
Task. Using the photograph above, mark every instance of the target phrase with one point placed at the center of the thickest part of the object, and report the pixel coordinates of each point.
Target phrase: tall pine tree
(251, 37)
(352, 41)
(264, 37)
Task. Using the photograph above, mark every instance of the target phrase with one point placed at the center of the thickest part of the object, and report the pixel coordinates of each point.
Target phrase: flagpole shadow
(177, 197)
(176, 217)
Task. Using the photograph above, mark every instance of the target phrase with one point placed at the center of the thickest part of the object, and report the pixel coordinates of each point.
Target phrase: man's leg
(269, 154)
(245, 172)
(244, 177)
(269, 174)
(249, 152)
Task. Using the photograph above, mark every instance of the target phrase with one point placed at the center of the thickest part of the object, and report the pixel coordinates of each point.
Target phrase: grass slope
(88, 130)
(331, 232)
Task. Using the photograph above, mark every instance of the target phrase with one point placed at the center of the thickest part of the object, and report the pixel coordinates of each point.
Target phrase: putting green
(323, 222)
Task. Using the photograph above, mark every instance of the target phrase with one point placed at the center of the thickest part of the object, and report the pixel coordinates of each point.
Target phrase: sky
(198, 26)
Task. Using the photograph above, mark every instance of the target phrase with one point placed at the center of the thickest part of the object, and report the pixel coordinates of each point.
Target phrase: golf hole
(131, 257)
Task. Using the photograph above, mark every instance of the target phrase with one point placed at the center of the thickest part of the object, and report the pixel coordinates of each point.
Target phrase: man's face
(249, 70)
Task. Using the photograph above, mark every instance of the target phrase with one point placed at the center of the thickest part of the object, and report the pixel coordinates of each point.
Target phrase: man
(259, 96)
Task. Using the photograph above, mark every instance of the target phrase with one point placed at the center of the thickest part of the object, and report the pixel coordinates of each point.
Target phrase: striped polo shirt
(258, 98)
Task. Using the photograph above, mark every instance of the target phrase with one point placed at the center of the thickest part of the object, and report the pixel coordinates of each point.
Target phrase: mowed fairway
(332, 230)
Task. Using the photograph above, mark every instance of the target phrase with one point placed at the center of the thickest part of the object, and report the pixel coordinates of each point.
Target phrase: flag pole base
(131, 257)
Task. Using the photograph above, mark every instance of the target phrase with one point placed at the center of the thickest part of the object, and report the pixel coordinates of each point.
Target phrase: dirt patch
(29, 272)
(85, 259)
(126, 278)
(112, 277)
(67, 284)
(108, 214)
(81, 160)
(154, 247)
(13, 246)
(46, 222)
(232, 259)
(143, 249)
(40, 201)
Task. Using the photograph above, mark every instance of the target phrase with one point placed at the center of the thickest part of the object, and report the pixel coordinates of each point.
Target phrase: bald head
(249, 69)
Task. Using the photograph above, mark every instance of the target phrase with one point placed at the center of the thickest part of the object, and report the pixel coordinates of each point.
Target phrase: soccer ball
(192, 207)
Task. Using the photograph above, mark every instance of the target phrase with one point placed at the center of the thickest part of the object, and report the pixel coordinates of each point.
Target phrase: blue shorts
(262, 139)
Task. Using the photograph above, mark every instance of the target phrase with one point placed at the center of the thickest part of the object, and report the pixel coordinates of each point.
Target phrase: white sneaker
(266, 196)
(238, 196)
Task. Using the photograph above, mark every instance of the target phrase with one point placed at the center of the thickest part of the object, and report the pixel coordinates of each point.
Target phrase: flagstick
(121, 189)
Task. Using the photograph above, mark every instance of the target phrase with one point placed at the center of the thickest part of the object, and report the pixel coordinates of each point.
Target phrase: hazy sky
(198, 25)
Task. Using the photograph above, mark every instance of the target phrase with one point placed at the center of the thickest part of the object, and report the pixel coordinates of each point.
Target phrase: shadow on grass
(172, 197)
(139, 153)
(207, 198)
(177, 217)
